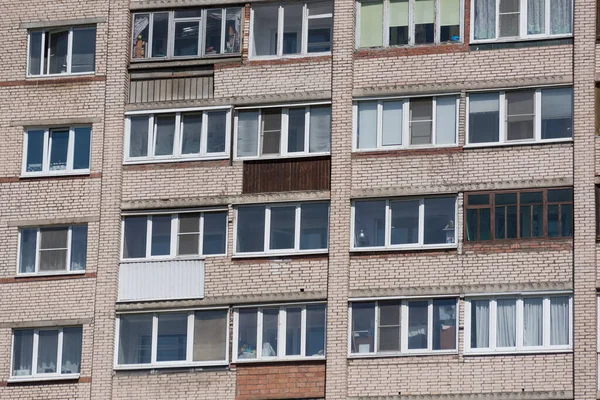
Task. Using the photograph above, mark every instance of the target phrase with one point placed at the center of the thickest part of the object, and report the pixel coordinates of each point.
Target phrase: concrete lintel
(50, 122)
(61, 22)
(46, 324)
(54, 221)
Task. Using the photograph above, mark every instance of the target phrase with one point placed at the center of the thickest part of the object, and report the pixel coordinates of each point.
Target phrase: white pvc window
(50, 353)
(178, 136)
(405, 123)
(518, 324)
(172, 339)
(272, 333)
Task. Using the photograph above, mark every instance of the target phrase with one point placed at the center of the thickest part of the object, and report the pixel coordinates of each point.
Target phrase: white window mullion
(42, 54)
(304, 37)
(379, 135)
(69, 50)
(59, 352)
(411, 22)
(570, 320)
(69, 247)
(38, 241)
(297, 228)
(177, 149)
(223, 31)
(388, 224)
(259, 338)
(497, 19)
(280, 31)
(267, 228)
(173, 247)
(537, 116)
(204, 133)
(467, 324)
(437, 24)
(71, 149)
(421, 222)
(307, 130)
(430, 325)
(433, 119)
(281, 324)
(548, 30)
(46, 155)
(148, 236)
(520, 323)
(150, 35)
(523, 19)
(201, 235)
(151, 135)
(153, 350)
(303, 332)
(503, 116)
(283, 142)
(386, 24)
(34, 358)
(403, 327)
(546, 321)
(405, 123)
(189, 353)
(492, 324)
(376, 329)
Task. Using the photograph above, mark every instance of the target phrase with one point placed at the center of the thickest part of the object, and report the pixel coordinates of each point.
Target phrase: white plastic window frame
(41, 376)
(405, 124)
(171, 34)
(404, 350)
(281, 333)
(47, 146)
(411, 24)
(44, 58)
(177, 155)
(188, 362)
(280, 30)
(174, 238)
(38, 242)
(283, 142)
(503, 116)
(522, 25)
(388, 226)
(519, 348)
(267, 232)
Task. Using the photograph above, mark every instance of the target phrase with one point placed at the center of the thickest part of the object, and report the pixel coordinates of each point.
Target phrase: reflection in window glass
(405, 221)
(135, 339)
(82, 147)
(417, 324)
(314, 226)
(59, 146)
(192, 131)
(389, 326)
(161, 235)
(215, 233)
(557, 113)
(57, 46)
(35, 150)
(134, 237)
(363, 327)
(283, 220)
(71, 351)
(210, 335)
(484, 118)
(165, 135)
(439, 224)
(160, 34)
(369, 220)
(250, 229)
(172, 337)
(213, 31)
(232, 30)
(138, 136)
(247, 327)
(187, 35)
(216, 132)
(265, 24)
(83, 50)
(296, 129)
(293, 331)
(444, 324)
(35, 52)
(22, 352)
(315, 330)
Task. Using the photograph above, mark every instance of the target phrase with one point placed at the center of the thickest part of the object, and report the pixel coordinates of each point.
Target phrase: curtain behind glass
(533, 322)
(480, 320)
(22, 352)
(71, 351)
(371, 24)
(485, 19)
(560, 16)
(320, 129)
(506, 330)
(559, 321)
(536, 17)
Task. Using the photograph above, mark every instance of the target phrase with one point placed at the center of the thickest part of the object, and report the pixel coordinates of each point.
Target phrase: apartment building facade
(378, 199)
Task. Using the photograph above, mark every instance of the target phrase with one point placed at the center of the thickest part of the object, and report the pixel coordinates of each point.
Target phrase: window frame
(280, 27)
(281, 333)
(503, 112)
(522, 25)
(171, 33)
(405, 124)
(388, 223)
(297, 228)
(177, 155)
(519, 348)
(404, 351)
(174, 236)
(492, 207)
(284, 134)
(188, 362)
(58, 375)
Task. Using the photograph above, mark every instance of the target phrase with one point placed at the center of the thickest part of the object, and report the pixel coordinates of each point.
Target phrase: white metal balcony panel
(161, 280)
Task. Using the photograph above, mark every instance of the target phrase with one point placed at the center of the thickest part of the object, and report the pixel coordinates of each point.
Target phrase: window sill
(167, 365)
(278, 157)
(174, 160)
(289, 57)
(521, 39)
(277, 360)
(517, 352)
(279, 255)
(54, 174)
(358, 356)
(55, 76)
(24, 379)
(520, 143)
(359, 250)
(167, 259)
(136, 64)
(49, 274)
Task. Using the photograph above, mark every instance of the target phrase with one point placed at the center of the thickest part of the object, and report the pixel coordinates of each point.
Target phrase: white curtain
(536, 17)
(506, 330)
(485, 19)
(480, 330)
(560, 16)
(559, 321)
(22, 352)
(320, 129)
(533, 322)
(71, 354)
(446, 120)
(392, 123)
(367, 125)
(247, 141)
(141, 22)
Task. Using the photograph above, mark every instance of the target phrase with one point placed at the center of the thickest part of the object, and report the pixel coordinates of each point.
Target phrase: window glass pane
(134, 241)
(484, 117)
(561, 17)
(424, 15)
(140, 35)
(35, 52)
(71, 351)
(480, 323)
(247, 140)
(250, 229)
(472, 225)
(216, 132)
(35, 151)
(421, 118)
(553, 226)
(485, 224)
(398, 20)
(445, 126)
(533, 326)
(439, 220)
(485, 19)
(405, 221)
(138, 136)
(57, 45)
(320, 8)
(478, 199)
(84, 50)
(165, 135)
(562, 195)
(293, 329)
(319, 35)
(296, 129)
(509, 18)
(557, 113)
(392, 123)
(283, 222)
(210, 335)
(79, 235)
(188, 13)
(270, 329)
(232, 30)
(314, 226)
(536, 17)
(271, 130)
(82, 147)
(22, 352)
(315, 330)
(363, 327)
(417, 324)
(559, 321)
(53, 238)
(47, 352)
(369, 223)
(292, 28)
(215, 233)
(520, 116)
(566, 220)
(189, 234)
(172, 337)
(247, 327)
(367, 125)
(186, 38)
(28, 251)
(371, 24)
(161, 235)
(449, 20)
(213, 31)
(506, 325)
(59, 146)
(320, 129)
(525, 221)
(444, 324)
(160, 33)
(53, 249)
(264, 41)
(135, 339)
(192, 131)
(389, 326)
